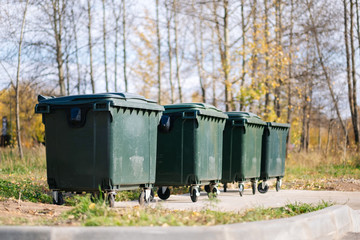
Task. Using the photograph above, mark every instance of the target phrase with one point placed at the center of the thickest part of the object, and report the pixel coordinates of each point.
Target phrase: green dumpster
(189, 148)
(100, 140)
(273, 154)
(242, 149)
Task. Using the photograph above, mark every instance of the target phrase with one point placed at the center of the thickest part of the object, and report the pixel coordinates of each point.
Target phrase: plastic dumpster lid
(275, 124)
(89, 97)
(248, 116)
(203, 108)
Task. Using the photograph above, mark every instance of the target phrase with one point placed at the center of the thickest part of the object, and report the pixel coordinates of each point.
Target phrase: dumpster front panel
(242, 147)
(227, 153)
(252, 142)
(174, 162)
(191, 152)
(208, 162)
(274, 151)
(77, 156)
(134, 146)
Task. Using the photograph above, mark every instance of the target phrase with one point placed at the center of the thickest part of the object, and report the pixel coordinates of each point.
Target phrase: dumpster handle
(237, 123)
(189, 115)
(101, 106)
(42, 108)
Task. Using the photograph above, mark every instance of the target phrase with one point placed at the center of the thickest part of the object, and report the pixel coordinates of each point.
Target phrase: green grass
(88, 213)
(25, 189)
(322, 171)
(24, 178)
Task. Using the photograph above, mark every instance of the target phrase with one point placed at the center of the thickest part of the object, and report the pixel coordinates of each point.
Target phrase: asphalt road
(231, 200)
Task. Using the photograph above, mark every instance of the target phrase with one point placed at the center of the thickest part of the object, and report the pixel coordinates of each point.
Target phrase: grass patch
(34, 161)
(315, 171)
(88, 213)
(314, 165)
(127, 195)
(25, 190)
(24, 178)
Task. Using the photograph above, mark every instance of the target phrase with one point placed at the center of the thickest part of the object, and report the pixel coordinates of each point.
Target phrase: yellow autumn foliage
(32, 129)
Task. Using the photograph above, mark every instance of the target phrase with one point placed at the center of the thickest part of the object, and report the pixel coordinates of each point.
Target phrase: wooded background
(291, 61)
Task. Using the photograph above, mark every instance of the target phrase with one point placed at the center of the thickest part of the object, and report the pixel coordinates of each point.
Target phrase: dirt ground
(345, 185)
(14, 212)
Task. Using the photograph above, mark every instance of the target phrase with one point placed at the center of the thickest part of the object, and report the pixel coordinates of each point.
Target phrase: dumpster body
(189, 151)
(242, 149)
(273, 154)
(100, 140)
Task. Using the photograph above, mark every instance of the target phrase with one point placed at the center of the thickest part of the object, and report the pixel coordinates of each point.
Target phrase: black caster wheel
(194, 193)
(207, 188)
(163, 194)
(261, 189)
(58, 198)
(253, 187)
(215, 191)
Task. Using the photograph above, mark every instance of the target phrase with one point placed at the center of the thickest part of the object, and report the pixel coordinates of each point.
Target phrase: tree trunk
(223, 44)
(177, 51)
(303, 121)
(104, 41)
(357, 22)
(289, 113)
(354, 117)
(319, 126)
(90, 48)
(214, 70)
(57, 18)
(267, 85)
(329, 135)
(158, 52)
(124, 45)
(17, 87)
(168, 26)
(200, 56)
(67, 71)
(327, 77)
(308, 116)
(278, 67)
(116, 42)
(243, 54)
(348, 64)
(76, 51)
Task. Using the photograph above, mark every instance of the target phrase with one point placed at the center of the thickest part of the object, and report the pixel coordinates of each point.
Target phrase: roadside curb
(330, 223)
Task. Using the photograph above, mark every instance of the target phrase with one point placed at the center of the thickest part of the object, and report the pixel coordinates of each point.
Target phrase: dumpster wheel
(58, 198)
(152, 195)
(207, 188)
(213, 191)
(145, 197)
(163, 194)
(253, 186)
(225, 187)
(263, 189)
(111, 199)
(278, 185)
(241, 189)
(194, 193)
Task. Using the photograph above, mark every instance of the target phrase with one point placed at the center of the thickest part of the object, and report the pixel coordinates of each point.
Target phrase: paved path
(231, 201)
(336, 222)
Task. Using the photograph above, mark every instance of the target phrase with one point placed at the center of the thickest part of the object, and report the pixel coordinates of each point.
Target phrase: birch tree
(17, 87)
